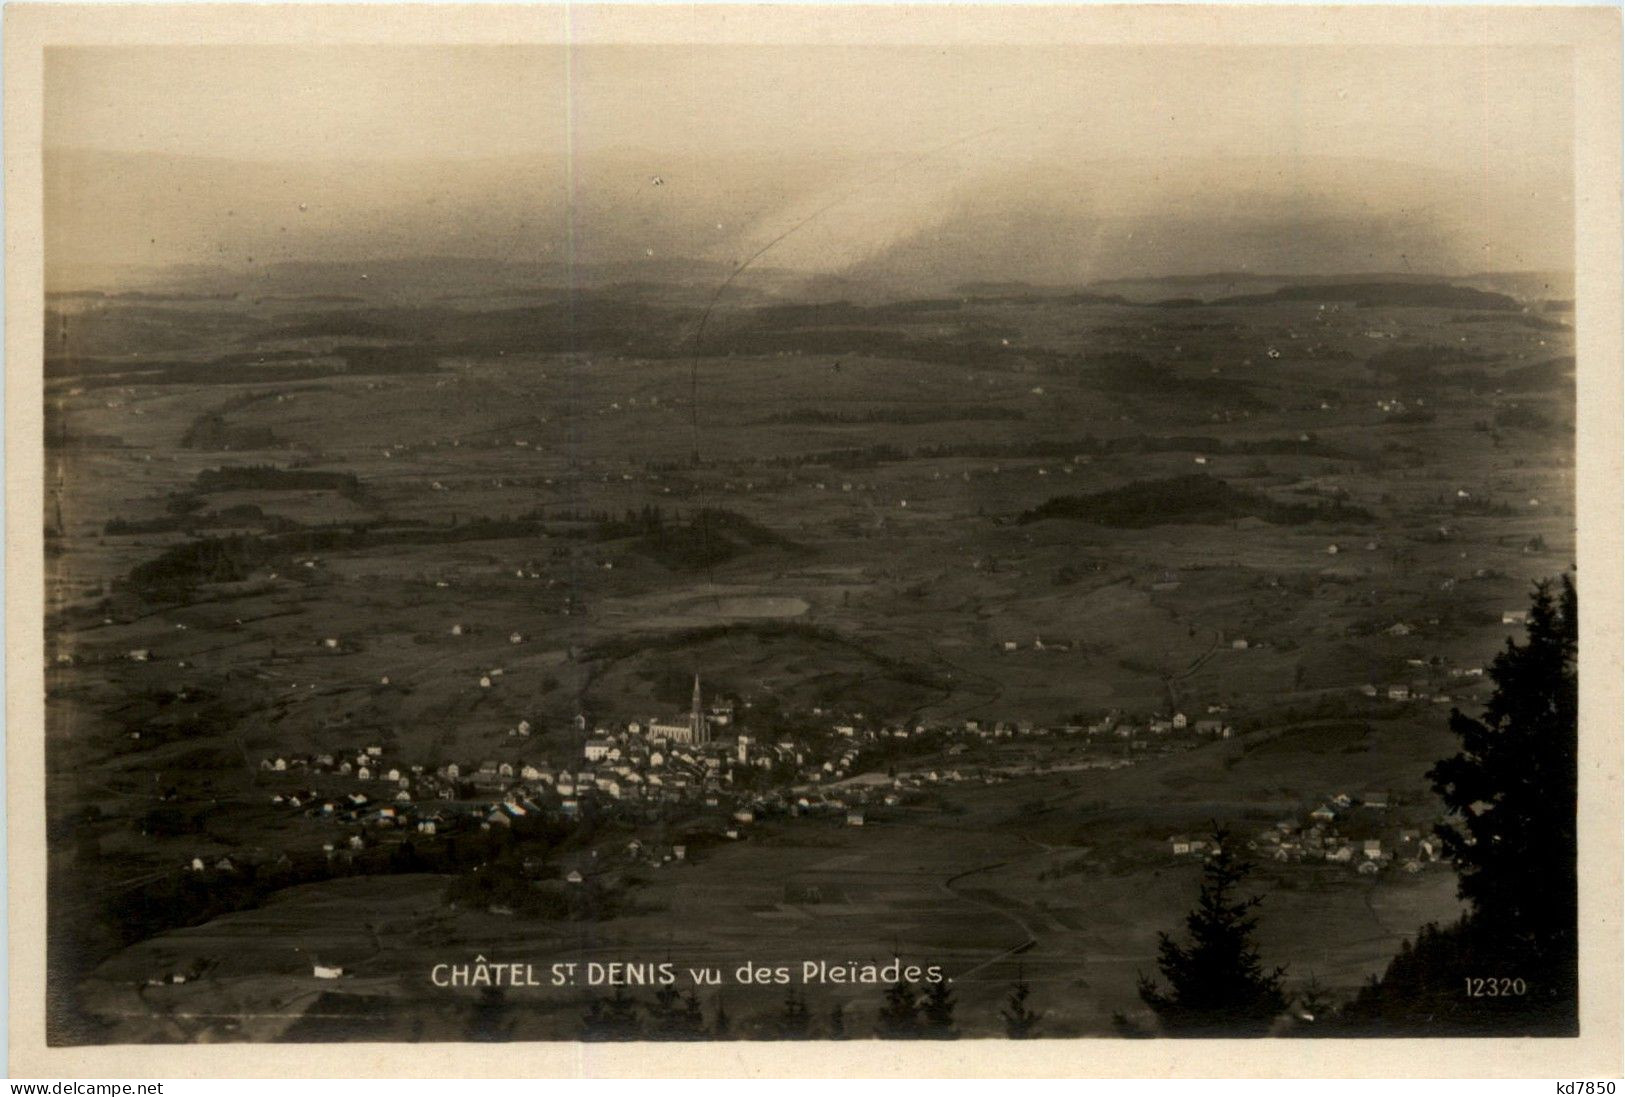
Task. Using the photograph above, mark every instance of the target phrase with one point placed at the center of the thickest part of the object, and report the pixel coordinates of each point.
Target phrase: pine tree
(665, 1015)
(1314, 1010)
(1217, 985)
(1514, 788)
(491, 1018)
(692, 1020)
(794, 1020)
(612, 1018)
(721, 1026)
(937, 1011)
(837, 1022)
(1020, 1022)
(899, 1017)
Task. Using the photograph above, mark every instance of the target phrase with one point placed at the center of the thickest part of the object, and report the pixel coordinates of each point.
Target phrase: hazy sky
(897, 135)
(1423, 105)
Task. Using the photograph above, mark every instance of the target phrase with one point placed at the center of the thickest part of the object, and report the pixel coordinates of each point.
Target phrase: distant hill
(1214, 286)
(1184, 500)
(1401, 294)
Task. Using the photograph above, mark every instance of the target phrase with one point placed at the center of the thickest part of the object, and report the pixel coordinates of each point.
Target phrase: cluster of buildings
(1341, 831)
(1138, 730)
(698, 760)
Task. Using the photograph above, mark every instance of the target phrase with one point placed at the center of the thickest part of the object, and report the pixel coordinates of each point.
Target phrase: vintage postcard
(959, 541)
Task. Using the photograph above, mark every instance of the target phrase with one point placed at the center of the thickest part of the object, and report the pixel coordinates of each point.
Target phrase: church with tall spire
(699, 728)
(696, 730)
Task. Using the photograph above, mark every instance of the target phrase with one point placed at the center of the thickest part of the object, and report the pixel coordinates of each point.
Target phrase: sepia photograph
(848, 536)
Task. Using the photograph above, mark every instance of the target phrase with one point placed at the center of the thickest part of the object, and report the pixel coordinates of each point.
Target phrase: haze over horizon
(910, 167)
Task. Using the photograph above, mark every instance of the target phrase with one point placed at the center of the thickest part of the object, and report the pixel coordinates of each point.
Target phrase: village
(1358, 834)
(700, 769)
